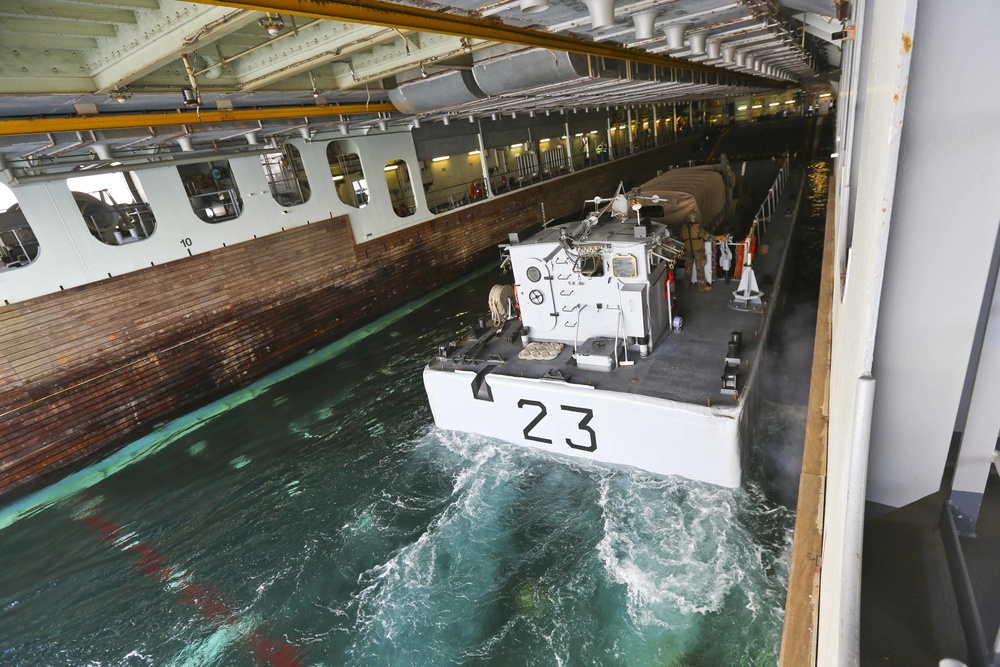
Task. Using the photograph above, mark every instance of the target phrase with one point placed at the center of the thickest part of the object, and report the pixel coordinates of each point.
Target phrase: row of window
(115, 209)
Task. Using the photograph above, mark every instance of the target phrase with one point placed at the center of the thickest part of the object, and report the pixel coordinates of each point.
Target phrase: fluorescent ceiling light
(774, 104)
(476, 152)
(516, 145)
(742, 108)
(756, 106)
(337, 178)
(826, 95)
(391, 167)
(441, 159)
(789, 101)
(580, 134)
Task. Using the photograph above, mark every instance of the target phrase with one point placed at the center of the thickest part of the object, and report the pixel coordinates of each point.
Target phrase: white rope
(501, 296)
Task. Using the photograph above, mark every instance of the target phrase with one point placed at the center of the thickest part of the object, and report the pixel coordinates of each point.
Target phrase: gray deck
(687, 365)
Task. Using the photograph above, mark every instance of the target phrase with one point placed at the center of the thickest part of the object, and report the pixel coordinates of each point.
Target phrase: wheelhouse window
(397, 177)
(348, 176)
(211, 190)
(113, 207)
(286, 176)
(18, 245)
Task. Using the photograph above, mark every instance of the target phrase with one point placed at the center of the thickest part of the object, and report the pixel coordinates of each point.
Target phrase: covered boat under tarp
(700, 189)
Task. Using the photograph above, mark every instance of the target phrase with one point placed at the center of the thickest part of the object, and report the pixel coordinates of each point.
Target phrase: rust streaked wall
(94, 366)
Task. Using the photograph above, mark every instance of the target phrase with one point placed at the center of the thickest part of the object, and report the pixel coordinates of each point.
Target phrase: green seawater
(319, 518)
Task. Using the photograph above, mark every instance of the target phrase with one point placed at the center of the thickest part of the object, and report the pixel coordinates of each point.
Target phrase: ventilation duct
(697, 42)
(602, 13)
(437, 91)
(644, 22)
(534, 6)
(530, 68)
(675, 35)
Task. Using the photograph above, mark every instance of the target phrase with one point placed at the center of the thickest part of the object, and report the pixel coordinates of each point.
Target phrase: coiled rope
(501, 297)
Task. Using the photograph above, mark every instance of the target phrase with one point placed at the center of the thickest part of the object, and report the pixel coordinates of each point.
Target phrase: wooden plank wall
(95, 366)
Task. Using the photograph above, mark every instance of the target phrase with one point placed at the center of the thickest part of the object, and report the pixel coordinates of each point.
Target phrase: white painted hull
(662, 436)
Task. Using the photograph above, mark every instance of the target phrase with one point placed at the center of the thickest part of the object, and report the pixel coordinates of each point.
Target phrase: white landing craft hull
(658, 435)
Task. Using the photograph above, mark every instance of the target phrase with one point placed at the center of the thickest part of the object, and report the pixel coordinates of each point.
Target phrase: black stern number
(586, 415)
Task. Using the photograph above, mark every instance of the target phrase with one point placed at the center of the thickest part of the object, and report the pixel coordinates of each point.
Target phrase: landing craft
(594, 353)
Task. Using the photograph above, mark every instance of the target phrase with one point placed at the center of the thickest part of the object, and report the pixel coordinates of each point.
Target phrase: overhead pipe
(645, 23)
(741, 59)
(195, 158)
(712, 48)
(728, 51)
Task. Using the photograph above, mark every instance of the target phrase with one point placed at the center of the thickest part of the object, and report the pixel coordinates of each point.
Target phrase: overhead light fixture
(826, 95)
(440, 159)
(774, 104)
(391, 167)
(578, 134)
(757, 106)
(337, 178)
(543, 141)
(789, 101)
(474, 152)
(516, 145)
(120, 94)
(742, 107)
(190, 98)
(272, 23)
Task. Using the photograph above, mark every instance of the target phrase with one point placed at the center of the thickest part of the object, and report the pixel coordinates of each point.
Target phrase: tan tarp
(702, 190)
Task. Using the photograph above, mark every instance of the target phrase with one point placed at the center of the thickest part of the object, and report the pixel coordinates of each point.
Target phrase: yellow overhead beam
(126, 121)
(403, 17)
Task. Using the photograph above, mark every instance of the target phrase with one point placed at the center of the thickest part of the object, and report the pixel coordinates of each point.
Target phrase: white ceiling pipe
(644, 22)
(697, 41)
(741, 59)
(675, 35)
(251, 138)
(758, 65)
(749, 62)
(185, 144)
(728, 52)
(304, 133)
(602, 13)
(103, 151)
(534, 6)
(416, 123)
(712, 48)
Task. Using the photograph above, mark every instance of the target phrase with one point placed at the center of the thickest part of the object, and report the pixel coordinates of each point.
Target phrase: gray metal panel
(946, 213)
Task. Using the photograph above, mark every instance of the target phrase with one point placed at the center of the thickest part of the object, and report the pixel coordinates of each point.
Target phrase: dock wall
(88, 369)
